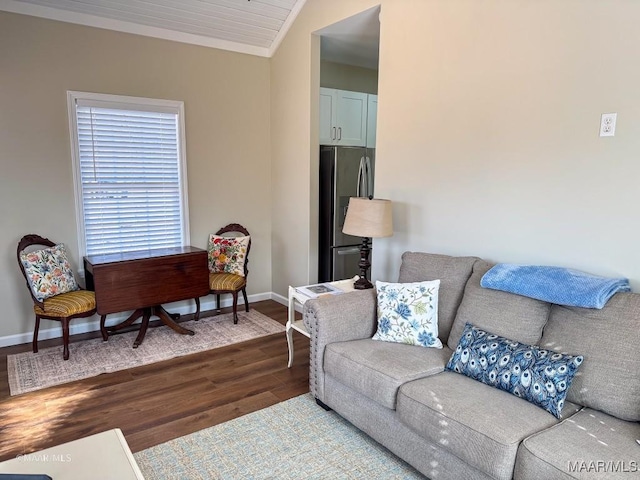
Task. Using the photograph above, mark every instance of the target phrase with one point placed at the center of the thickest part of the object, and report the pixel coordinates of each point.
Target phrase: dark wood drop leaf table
(144, 280)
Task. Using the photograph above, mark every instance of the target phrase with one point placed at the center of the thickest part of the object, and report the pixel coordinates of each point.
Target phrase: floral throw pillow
(408, 313)
(48, 272)
(227, 254)
(540, 376)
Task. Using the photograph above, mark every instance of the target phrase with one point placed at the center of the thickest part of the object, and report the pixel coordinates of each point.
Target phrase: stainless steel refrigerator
(345, 172)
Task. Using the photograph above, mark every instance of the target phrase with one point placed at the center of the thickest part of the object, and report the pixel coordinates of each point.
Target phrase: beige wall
(490, 112)
(487, 133)
(348, 77)
(487, 138)
(226, 97)
(295, 83)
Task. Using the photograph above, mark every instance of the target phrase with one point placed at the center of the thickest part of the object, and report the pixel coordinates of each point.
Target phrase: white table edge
(298, 325)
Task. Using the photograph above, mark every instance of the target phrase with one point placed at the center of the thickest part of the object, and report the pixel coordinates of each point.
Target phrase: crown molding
(285, 27)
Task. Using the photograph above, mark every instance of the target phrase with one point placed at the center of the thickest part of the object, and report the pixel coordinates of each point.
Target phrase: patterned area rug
(32, 371)
(295, 439)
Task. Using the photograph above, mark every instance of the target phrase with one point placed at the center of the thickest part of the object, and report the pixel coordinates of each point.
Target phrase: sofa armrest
(336, 318)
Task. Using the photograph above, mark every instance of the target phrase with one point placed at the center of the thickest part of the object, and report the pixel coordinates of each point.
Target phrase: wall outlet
(608, 124)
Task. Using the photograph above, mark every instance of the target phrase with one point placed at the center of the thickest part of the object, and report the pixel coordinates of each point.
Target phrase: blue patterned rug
(295, 439)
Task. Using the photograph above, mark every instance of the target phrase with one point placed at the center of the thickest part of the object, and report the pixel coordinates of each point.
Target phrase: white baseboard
(93, 323)
(281, 299)
(285, 301)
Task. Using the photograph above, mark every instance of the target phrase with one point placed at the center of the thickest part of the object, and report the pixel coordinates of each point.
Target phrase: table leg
(143, 327)
(146, 314)
(129, 321)
(291, 315)
(290, 344)
(167, 319)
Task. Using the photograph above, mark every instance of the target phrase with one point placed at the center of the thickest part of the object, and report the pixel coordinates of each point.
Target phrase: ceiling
(247, 26)
(255, 27)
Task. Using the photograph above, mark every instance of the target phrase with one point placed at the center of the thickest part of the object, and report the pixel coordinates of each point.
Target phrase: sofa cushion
(506, 314)
(539, 376)
(408, 313)
(453, 273)
(382, 425)
(590, 444)
(479, 424)
(378, 369)
(609, 378)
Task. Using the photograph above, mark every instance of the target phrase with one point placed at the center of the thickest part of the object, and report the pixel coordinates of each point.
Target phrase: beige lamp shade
(368, 218)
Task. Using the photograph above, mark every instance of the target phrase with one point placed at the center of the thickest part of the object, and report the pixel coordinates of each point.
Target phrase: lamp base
(362, 284)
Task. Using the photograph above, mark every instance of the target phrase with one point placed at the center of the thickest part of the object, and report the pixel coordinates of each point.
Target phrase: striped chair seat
(226, 281)
(67, 304)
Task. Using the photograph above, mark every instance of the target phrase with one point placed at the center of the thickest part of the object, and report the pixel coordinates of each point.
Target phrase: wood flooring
(156, 403)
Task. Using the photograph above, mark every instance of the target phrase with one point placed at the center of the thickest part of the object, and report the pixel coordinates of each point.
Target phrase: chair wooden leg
(218, 302)
(235, 307)
(197, 314)
(65, 338)
(103, 328)
(35, 334)
(246, 302)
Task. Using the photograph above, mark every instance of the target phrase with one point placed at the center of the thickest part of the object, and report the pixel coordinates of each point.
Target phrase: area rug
(32, 371)
(295, 439)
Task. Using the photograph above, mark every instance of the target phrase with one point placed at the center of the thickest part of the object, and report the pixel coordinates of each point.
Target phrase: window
(129, 171)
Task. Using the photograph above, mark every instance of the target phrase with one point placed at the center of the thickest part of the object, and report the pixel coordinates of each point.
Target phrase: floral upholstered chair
(56, 294)
(228, 258)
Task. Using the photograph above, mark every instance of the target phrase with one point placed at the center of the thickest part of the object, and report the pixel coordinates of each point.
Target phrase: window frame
(126, 103)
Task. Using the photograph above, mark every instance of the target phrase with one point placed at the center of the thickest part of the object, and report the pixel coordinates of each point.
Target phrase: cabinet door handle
(333, 133)
(339, 133)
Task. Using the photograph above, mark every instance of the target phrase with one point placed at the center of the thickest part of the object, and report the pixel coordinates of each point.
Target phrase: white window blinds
(129, 168)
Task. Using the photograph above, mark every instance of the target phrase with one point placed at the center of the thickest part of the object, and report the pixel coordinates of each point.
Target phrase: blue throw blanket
(554, 284)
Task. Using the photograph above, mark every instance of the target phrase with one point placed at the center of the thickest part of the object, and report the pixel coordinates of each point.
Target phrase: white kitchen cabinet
(328, 104)
(343, 117)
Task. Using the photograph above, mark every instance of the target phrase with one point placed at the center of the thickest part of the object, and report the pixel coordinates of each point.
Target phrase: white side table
(103, 456)
(300, 298)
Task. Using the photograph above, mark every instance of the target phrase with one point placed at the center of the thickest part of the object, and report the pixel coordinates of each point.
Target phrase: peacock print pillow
(540, 376)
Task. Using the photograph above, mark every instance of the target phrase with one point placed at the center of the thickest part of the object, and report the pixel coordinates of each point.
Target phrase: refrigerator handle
(369, 177)
(348, 251)
(360, 176)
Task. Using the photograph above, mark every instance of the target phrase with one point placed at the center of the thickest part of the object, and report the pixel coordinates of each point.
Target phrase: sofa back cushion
(609, 378)
(453, 273)
(505, 314)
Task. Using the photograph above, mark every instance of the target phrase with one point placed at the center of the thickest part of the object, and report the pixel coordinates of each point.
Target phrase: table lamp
(367, 218)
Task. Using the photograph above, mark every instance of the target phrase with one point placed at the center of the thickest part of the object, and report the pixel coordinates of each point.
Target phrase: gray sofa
(449, 426)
